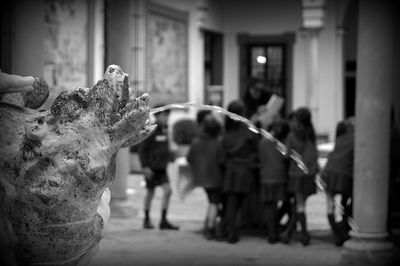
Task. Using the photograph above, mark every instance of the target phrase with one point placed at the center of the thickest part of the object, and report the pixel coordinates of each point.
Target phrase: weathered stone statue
(55, 165)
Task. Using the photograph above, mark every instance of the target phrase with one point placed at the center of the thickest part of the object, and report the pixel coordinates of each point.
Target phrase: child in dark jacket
(301, 185)
(238, 157)
(273, 176)
(338, 177)
(155, 155)
(202, 157)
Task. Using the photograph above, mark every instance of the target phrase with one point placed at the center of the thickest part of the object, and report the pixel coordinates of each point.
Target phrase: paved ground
(126, 243)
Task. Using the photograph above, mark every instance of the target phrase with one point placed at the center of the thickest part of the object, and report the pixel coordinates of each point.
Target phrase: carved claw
(132, 127)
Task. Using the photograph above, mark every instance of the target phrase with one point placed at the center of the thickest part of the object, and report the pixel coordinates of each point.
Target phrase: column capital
(307, 33)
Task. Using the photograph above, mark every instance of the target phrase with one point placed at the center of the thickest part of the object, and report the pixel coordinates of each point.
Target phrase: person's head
(302, 124)
(201, 115)
(255, 88)
(211, 125)
(280, 129)
(290, 119)
(236, 107)
(341, 129)
(162, 117)
(350, 124)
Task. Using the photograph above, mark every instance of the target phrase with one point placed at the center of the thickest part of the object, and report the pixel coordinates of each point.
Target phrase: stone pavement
(126, 243)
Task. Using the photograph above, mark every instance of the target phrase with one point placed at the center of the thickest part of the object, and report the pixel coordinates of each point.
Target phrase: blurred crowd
(247, 180)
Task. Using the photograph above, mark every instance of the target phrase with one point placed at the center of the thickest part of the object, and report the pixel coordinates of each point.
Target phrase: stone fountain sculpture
(55, 165)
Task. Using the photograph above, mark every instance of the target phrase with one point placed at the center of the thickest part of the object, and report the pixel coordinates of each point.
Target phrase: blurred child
(302, 140)
(238, 156)
(155, 155)
(273, 176)
(202, 157)
(338, 176)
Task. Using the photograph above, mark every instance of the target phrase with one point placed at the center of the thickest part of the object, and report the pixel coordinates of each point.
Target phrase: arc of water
(282, 148)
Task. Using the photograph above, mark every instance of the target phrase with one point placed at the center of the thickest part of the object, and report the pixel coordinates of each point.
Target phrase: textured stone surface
(56, 164)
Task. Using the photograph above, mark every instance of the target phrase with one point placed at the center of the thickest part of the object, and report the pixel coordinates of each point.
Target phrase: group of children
(226, 157)
(241, 156)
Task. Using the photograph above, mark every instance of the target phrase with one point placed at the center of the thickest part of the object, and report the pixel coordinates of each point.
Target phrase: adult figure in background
(338, 177)
(254, 98)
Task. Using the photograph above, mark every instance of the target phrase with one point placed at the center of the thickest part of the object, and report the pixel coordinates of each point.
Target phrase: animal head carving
(57, 163)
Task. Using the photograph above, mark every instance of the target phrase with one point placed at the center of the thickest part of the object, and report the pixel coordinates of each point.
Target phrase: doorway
(269, 57)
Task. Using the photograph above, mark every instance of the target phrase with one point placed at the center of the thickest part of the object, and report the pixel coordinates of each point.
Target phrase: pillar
(118, 51)
(371, 162)
(339, 89)
(312, 74)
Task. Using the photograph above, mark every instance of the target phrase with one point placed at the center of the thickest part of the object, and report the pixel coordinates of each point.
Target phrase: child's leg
(233, 205)
(330, 200)
(164, 224)
(147, 201)
(222, 228)
(284, 209)
(271, 212)
(291, 224)
(167, 192)
(300, 208)
(210, 223)
(212, 215)
(147, 204)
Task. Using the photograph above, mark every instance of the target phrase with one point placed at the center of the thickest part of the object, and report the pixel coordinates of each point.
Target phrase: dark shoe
(335, 230)
(209, 234)
(343, 234)
(221, 236)
(305, 239)
(165, 225)
(273, 239)
(233, 239)
(285, 237)
(147, 224)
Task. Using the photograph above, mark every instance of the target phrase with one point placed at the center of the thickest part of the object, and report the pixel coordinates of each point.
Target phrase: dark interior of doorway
(213, 68)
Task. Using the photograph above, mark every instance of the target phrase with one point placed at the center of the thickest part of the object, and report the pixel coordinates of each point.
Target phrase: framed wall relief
(167, 54)
(65, 45)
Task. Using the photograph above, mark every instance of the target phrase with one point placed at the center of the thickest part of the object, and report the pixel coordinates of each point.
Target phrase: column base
(370, 249)
(368, 242)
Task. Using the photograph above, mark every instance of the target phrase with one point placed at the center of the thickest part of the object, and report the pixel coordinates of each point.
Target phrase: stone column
(312, 83)
(339, 73)
(118, 47)
(374, 88)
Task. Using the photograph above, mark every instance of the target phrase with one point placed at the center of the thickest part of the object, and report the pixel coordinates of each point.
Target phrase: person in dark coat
(301, 185)
(155, 154)
(338, 178)
(254, 98)
(238, 157)
(207, 173)
(273, 176)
